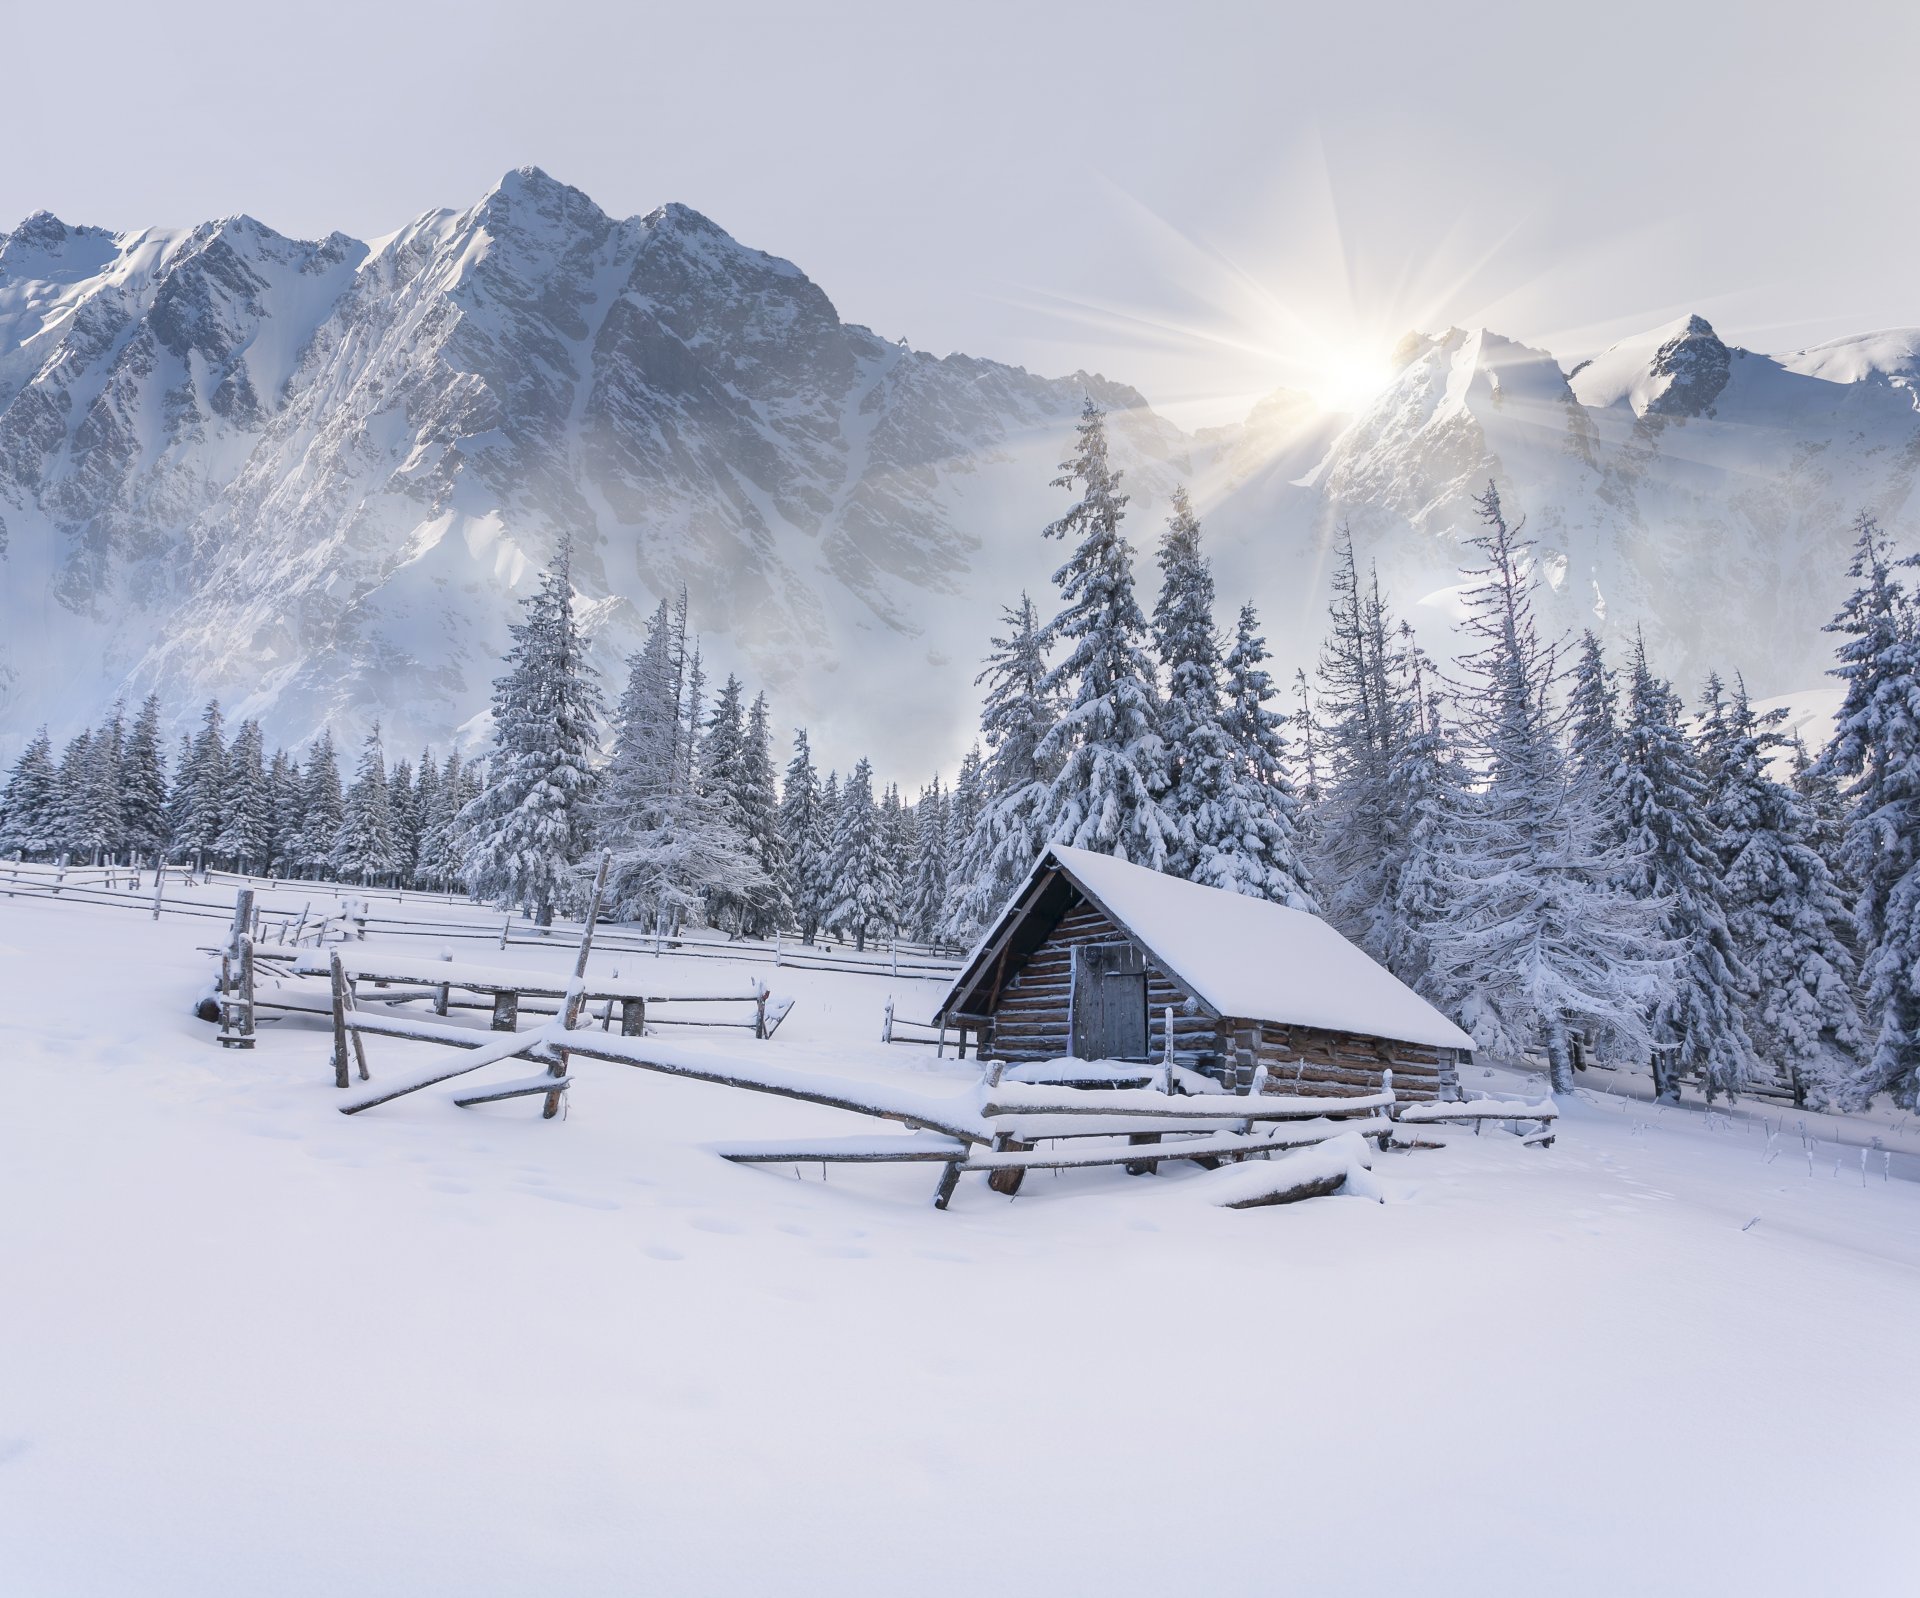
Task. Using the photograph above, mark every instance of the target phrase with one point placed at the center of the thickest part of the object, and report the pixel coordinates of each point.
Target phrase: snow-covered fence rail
(508, 992)
(1534, 1121)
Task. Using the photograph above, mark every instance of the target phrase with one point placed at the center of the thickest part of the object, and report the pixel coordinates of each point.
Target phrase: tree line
(1543, 842)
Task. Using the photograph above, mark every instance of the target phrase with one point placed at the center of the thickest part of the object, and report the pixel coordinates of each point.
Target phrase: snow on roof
(1256, 960)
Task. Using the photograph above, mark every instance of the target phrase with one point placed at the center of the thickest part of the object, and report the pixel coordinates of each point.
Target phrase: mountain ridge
(316, 476)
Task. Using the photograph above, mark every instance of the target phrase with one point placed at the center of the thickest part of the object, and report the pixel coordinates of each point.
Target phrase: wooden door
(1109, 1002)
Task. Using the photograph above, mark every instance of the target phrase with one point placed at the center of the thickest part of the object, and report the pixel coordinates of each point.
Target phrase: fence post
(159, 883)
(61, 876)
(339, 978)
(886, 1026)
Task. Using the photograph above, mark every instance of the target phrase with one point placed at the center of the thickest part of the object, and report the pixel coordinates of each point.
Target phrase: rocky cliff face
(316, 477)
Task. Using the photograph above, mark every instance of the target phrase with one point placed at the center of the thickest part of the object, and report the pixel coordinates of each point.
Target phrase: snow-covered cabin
(1094, 958)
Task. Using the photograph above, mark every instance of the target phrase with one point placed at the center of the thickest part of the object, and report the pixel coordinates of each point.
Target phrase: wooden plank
(519, 1088)
(484, 1051)
(1174, 1107)
(1223, 1145)
(885, 1149)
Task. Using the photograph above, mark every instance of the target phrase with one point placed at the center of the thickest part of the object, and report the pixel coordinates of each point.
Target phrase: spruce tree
(675, 843)
(927, 880)
(1009, 824)
(1540, 943)
(1787, 915)
(1198, 761)
(804, 842)
(199, 791)
(530, 823)
(757, 800)
(143, 784)
(1248, 837)
(404, 803)
(1429, 786)
(322, 805)
(443, 844)
(858, 880)
(1105, 750)
(74, 782)
(283, 794)
(1360, 830)
(246, 823)
(1876, 747)
(1699, 1020)
(102, 809)
(364, 849)
(30, 807)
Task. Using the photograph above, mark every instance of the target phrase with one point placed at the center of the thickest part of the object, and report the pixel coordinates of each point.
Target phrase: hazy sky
(1206, 200)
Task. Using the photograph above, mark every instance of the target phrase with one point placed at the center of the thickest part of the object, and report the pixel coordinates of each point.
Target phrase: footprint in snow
(660, 1251)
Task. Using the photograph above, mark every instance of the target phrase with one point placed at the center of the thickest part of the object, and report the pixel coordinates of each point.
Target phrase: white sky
(1206, 200)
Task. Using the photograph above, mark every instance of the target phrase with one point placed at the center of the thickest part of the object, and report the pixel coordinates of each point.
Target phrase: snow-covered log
(1338, 1165)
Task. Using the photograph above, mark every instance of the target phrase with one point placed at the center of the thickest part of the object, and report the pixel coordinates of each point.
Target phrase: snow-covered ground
(249, 1345)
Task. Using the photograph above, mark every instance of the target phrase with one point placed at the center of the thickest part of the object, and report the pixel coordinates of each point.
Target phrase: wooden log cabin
(1096, 959)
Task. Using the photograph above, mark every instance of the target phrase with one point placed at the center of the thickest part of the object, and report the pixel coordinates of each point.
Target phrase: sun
(1348, 377)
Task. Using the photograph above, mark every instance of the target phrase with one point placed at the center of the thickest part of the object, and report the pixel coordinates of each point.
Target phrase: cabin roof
(1244, 958)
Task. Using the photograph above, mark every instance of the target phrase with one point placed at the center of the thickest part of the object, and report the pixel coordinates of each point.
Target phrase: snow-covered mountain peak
(1677, 370)
(1893, 354)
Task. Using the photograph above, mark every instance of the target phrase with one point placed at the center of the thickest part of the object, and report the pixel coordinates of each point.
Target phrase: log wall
(1032, 1022)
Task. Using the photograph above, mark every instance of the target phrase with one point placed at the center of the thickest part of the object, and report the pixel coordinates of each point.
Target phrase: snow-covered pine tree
(857, 868)
(1428, 784)
(829, 827)
(803, 840)
(179, 796)
(30, 807)
(1009, 828)
(426, 807)
(965, 804)
(1191, 731)
(530, 823)
(246, 822)
(1249, 839)
(364, 849)
(1540, 943)
(73, 784)
(932, 858)
(199, 791)
(442, 844)
(757, 798)
(723, 747)
(1105, 750)
(674, 841)
(896, 859)
(283, 794)
(143, 784)
(1789, 920)
(1593, 707)
(102, 809)
(405, 803)
(1360, 831)
(1876, 747)
(322, 805)
(1699, 1020)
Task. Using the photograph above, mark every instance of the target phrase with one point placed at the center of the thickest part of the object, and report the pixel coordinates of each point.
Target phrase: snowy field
(252, 1346)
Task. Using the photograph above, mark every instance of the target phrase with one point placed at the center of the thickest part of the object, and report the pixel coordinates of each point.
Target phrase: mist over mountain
(317, 477)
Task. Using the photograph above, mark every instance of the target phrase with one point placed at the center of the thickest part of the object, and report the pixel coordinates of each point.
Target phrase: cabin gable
(1063, 977)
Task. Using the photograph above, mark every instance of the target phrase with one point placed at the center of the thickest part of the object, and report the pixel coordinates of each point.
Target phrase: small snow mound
(1339, 1165)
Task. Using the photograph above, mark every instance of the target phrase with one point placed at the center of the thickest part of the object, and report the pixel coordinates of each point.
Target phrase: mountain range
(315, 478)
